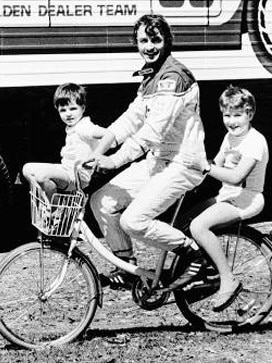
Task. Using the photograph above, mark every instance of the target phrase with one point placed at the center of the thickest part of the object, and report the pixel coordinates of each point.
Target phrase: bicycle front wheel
(33, 314)
(249, 256)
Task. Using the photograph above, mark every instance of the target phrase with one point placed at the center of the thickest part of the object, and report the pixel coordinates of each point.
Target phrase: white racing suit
(161, 123)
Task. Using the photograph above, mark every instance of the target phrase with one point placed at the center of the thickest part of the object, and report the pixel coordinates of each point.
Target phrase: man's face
(152, 48)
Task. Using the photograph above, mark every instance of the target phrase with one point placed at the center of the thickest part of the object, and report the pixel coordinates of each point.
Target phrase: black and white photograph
(135, 181)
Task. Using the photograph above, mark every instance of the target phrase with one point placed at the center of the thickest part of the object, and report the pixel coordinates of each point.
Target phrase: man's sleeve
(129, 151)
(157, 123)
(129, 122)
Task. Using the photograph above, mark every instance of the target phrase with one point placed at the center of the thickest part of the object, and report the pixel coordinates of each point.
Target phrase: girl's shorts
(248, 203)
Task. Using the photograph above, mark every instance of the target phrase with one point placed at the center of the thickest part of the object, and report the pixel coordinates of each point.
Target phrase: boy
(241, 165)
(81, 140)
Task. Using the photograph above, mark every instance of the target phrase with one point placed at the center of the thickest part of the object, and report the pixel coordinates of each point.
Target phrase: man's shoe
(117, 278)
(121, 280)
(211, 272)
(195, 264)
(104, 280)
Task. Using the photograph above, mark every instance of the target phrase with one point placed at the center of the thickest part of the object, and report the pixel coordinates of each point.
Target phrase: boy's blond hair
(237, 98)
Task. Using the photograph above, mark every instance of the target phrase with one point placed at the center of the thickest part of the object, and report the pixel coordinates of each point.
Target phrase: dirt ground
(121, 332)
(165, 331)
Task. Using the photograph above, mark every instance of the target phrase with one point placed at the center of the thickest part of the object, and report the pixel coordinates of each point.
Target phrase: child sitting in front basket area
(240, 165)
(82, 137)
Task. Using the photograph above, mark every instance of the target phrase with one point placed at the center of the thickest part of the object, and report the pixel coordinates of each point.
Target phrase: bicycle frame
(126, 266)
(52, 286)
(80, 226)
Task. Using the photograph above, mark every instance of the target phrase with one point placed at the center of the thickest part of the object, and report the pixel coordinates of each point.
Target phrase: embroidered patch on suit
(167, 85)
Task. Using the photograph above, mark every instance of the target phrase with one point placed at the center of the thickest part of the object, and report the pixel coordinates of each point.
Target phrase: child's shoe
(223, 300)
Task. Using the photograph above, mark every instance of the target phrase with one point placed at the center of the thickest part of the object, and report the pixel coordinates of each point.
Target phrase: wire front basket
(55, 218)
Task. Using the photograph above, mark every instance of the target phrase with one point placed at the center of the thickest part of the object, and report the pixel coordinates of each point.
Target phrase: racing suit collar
(149, 70)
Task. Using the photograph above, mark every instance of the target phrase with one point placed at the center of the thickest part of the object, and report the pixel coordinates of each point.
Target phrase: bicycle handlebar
(76, 172)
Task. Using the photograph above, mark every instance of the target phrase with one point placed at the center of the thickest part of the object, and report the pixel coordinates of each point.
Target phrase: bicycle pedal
(246, 308)
(213, 277)
(193, 284)
(211, 273)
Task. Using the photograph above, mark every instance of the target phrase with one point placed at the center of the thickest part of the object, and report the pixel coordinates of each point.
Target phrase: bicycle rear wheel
(249, 255)
(31, 319)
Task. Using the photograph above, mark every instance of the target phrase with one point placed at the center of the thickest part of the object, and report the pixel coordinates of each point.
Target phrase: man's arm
(119, 131)
(105, 143)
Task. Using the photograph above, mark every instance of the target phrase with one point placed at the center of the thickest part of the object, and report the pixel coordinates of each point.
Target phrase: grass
(121, 332)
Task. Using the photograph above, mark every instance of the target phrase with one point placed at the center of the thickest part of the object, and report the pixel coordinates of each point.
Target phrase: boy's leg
(219, 213)
(49, 176)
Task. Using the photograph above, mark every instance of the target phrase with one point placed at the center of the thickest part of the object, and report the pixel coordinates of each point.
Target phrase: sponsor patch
(167, 85)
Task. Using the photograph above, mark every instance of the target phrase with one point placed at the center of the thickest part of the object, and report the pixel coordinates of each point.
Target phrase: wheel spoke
(249, 256)
(30, 318)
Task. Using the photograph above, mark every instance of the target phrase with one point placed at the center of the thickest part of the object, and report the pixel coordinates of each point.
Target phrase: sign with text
(50, 13)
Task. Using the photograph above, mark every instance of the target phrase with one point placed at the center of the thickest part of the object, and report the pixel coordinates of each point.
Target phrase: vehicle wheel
(249, 256)
(29, 318)
(6, 201)
(259, 20)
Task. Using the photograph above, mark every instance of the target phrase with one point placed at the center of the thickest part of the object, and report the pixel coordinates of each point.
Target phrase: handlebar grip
(76, 171)
(77, 178)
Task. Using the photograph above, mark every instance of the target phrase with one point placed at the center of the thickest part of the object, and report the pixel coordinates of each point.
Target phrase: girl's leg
(217, 214)
(49, 176)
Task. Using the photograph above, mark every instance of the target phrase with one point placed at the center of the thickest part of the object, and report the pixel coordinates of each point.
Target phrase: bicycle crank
(146, 297)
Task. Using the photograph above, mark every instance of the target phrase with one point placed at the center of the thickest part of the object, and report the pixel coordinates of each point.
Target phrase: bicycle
(50, 289)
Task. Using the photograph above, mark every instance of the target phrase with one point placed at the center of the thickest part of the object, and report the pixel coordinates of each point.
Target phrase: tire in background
(6, 205)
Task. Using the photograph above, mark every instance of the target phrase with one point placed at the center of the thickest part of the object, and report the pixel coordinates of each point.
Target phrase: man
(161, 123)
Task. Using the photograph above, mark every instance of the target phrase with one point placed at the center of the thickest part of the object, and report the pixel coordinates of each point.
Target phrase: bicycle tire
(31, 322)
(6, 204)
(251, 265)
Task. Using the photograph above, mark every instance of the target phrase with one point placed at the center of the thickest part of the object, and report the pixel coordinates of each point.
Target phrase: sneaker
(211, 273)
(195, 265)
(223, 300)
(119, 279)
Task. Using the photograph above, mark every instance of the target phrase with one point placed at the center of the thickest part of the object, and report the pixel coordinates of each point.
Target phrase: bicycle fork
(45, 293)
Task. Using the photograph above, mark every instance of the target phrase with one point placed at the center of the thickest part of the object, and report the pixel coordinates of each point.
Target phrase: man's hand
(104, 163)
(99, 163)
(197, 161)
(90, 163)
